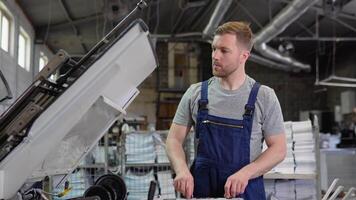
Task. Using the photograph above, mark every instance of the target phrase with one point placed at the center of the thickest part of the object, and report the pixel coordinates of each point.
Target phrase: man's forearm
(266, 161)
(176, 155)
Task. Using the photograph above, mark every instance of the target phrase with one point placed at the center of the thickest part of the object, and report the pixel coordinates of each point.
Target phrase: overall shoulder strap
(203, 101)
(202, 107)
(250, 106)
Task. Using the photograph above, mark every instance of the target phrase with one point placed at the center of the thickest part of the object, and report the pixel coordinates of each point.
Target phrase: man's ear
(244, 56)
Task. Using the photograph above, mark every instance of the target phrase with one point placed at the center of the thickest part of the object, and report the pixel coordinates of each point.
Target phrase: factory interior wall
(296, 91)
(17, 77)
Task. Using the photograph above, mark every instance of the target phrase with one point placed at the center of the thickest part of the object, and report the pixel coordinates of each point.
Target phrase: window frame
(4, 14)
(27, 49)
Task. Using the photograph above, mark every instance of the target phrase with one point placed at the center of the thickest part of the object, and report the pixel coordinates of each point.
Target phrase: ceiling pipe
(325, 39)
(337, 81)
(268, 63)
(286, 17)
(348, 85)
(220, 9)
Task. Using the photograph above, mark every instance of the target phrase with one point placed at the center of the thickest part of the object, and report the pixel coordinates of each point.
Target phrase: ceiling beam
(326, 39)
(320, 17)
(205, 15)
(75, 22)
(343, 23)
(187, 23)
(197, 5)
(249, 14)
(310, 26)
(305, 28)
(69, 18)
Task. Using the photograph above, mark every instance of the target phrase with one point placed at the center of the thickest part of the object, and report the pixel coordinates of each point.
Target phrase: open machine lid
(65, 132)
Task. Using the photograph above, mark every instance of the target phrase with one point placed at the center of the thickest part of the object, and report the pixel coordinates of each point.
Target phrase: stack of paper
(189, 147)
(290, 189)
(285, 190)
(165, 182)
(138, 184)
(98, 153)
(300, 159)
(139, 148)
(270, 187)
(302, 127)
(161, 154)
(304, 147)
(305, 189)
(160, 148)
(287, 166)
(289, 133)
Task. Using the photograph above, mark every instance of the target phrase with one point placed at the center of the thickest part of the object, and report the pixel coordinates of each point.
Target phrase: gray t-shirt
(267, 120)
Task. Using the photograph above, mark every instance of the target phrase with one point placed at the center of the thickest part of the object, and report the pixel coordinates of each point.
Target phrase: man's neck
(234, 81)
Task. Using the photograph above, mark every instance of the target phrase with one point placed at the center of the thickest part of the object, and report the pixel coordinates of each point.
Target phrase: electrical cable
(49, 20)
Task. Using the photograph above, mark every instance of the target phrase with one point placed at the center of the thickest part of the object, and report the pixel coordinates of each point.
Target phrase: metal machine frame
(54, 123)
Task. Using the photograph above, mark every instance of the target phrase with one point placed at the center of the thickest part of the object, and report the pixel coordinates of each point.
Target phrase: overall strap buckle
(203, 104)
(203, 101)
(249, 110)
(250, 106)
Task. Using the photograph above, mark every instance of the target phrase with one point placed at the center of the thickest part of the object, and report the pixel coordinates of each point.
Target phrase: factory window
(43, 61)
(4, 31)
(24, 50)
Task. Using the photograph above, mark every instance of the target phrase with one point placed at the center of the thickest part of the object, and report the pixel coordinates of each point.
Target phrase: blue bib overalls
(223, 149)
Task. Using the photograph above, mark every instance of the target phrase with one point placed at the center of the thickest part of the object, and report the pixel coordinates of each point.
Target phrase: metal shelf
(290, 176)
(101, 165)
(147, 164)
(304, 176)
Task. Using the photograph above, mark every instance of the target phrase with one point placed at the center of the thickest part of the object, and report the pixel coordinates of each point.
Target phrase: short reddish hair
(242, 31)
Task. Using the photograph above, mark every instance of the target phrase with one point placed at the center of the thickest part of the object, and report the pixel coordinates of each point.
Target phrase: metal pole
(140, 6)
(106, 150)
(317, 49)
(317, 156)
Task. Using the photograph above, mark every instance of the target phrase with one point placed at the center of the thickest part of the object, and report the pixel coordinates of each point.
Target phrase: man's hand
(184, 183)
(236, 183)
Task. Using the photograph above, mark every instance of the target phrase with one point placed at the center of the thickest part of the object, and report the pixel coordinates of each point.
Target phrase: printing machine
(55, 123)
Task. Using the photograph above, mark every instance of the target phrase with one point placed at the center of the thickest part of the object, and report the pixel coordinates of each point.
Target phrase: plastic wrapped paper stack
(304, 147)
(300, 160)
(139, 148)
(165, 182)
(285, 189)
(161, 154)
(305, 189)
(160, 147)
(287, 166)
(138, 184)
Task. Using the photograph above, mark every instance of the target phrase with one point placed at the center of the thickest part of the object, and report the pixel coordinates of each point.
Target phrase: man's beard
(223, 73)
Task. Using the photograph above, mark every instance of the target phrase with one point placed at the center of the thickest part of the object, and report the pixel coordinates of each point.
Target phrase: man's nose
(216, 55)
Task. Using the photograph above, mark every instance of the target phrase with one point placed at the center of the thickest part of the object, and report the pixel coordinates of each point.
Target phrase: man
(232, 115)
